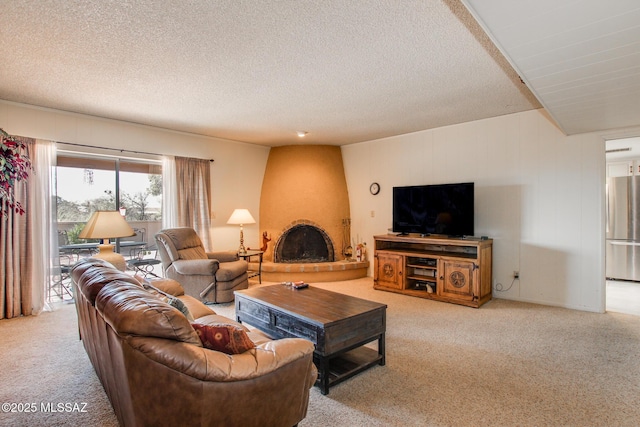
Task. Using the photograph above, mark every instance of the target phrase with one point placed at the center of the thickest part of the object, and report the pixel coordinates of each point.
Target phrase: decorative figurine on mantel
(265, 242)
(361, 252)
(348, 253)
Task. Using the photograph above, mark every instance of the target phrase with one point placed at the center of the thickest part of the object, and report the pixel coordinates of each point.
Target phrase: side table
(247, 257)
(144, 266)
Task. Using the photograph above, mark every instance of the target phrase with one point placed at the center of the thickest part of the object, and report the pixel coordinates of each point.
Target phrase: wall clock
(374, 188)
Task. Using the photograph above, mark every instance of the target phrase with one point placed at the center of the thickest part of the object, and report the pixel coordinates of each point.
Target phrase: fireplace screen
(304, 243)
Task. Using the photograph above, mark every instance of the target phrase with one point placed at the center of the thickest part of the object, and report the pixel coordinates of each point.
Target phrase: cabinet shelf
(422, 278)
(420, 293)
(425, 267)
(444, 269)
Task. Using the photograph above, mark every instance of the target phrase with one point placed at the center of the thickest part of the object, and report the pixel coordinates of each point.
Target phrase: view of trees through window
(87, 185)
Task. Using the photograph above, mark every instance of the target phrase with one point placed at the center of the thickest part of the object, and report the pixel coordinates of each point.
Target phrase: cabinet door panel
(388, 270)
(457, 278)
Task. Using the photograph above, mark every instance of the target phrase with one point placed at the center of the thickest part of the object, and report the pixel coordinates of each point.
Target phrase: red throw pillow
(226, 338)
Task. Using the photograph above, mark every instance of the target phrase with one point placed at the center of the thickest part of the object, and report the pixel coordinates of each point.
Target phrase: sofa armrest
(223, 256)
(196, 307)
(210, 365)
(168, 286)
(201, 267)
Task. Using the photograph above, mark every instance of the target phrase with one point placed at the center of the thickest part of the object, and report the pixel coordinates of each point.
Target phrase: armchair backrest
(179, 243)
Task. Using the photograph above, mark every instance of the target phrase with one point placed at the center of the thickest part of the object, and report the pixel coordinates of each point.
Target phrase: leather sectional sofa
(155, 370)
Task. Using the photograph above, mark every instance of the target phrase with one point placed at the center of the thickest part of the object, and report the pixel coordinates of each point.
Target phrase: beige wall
(236, 174)
(539, 193)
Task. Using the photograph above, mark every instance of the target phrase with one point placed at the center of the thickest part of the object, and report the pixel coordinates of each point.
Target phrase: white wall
(236, 174)
(539, 195)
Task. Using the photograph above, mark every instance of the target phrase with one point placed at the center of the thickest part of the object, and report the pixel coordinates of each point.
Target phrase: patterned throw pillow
(177, 303)
(223, 337)
(170, 299)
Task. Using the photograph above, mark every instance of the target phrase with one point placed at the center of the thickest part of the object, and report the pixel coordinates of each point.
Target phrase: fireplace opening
(304, 243)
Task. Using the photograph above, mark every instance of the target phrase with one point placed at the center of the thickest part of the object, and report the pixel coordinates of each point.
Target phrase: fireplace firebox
(304, 243)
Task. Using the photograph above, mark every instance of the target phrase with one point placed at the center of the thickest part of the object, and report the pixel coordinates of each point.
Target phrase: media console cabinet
(440, 268)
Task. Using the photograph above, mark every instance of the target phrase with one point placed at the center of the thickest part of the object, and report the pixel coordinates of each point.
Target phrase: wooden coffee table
(339, 326)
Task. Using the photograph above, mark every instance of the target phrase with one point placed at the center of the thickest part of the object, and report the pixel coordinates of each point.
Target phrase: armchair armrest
(223, 256)
(201, 267)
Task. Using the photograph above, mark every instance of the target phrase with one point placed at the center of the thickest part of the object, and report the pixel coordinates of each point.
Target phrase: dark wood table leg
(381, 349)
(323, 374)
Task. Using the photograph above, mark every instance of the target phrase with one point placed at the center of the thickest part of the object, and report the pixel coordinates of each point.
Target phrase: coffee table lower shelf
(344, 366)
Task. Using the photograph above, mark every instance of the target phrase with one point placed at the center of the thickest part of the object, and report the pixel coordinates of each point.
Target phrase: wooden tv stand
(440, 268)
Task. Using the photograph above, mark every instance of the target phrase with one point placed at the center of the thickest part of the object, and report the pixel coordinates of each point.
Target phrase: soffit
(581, 58)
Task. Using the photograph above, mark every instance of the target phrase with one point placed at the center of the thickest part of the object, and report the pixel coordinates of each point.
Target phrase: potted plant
(14, 166)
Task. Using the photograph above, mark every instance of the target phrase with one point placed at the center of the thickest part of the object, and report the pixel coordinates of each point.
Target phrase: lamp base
(242, 250)
(106, 253)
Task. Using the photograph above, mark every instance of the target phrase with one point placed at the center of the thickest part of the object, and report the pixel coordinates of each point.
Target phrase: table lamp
(107, 225)
(241, 217)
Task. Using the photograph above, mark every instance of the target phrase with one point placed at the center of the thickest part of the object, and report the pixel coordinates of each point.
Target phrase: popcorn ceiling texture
(259, 71)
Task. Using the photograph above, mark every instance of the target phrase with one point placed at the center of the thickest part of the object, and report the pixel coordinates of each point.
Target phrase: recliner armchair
(210, 276)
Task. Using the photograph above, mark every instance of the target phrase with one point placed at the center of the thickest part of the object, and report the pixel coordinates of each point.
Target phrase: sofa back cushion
(131, 310)
(92, 274)
(85, 263)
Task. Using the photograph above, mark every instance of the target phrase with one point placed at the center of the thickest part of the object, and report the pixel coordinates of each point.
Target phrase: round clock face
(375, 188)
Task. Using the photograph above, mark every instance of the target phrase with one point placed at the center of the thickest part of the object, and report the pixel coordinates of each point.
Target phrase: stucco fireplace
(303, 206)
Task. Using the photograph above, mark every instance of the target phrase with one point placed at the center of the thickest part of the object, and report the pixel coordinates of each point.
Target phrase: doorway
(622, 227)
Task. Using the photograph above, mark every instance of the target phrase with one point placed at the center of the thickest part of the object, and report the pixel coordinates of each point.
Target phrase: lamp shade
(106, 225)
(241, 216)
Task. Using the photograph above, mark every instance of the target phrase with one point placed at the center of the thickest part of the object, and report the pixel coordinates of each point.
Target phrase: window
(86, 183)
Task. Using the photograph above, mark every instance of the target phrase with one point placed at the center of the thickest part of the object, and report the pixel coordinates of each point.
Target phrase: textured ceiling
(258, 71)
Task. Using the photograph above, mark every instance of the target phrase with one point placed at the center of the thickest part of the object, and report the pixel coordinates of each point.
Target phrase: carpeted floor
(504, 364)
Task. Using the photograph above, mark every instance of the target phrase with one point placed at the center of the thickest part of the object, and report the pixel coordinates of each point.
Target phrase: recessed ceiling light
(302, 133)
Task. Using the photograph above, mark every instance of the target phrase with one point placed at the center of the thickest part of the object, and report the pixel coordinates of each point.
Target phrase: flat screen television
(442, 209)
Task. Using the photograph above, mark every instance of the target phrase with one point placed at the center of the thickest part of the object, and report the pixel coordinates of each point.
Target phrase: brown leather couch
(156, 372)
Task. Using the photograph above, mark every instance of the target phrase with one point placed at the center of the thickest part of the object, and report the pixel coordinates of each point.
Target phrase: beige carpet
(504, 364)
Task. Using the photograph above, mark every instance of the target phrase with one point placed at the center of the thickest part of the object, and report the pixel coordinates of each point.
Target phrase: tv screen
(445, 209)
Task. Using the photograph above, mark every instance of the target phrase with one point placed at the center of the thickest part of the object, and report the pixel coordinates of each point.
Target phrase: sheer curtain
(169, 198)
(193, 196)
(24, 252)
(44, 229)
